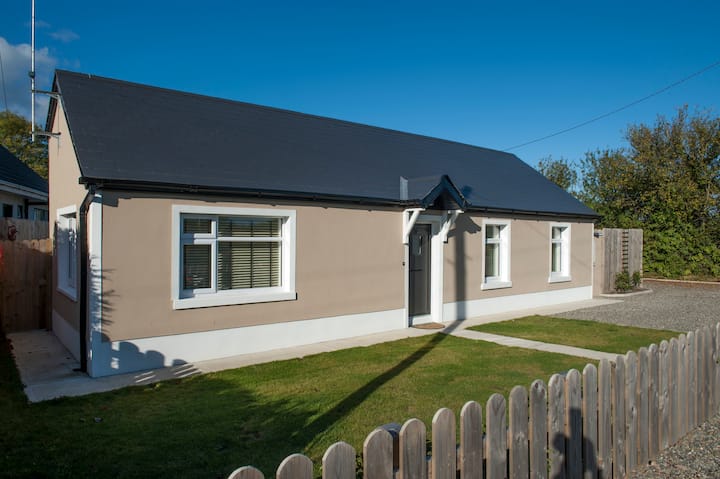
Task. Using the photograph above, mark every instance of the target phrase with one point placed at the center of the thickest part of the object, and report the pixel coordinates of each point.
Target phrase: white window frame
(564, 240)
(503, 280)
(207, 297)
(66, 251)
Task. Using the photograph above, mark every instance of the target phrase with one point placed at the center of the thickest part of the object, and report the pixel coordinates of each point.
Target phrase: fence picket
(673, 393)
(538, 430)
(413, 463)
(682, 380)
(444, 454)
(605, 444)
(691, 380)
(716, 362)
(378, 455)
(246, 472)
(338, 462)
(573, 424)
(295, 466)
(653, 403)
(664, 393)
(709, 373)
(471, 441)
(518, 434)
(643, 406)
(556, 426)
(589, 434)
(619, 418)
(496, 454)
(631, 411)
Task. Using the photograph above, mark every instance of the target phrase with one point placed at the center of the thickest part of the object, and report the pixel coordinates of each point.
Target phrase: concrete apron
(48, 370)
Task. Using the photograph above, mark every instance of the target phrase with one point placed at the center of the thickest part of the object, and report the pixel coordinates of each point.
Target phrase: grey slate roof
(130, 133)
(14, 171)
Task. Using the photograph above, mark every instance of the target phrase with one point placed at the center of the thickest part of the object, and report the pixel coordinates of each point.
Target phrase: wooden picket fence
(25, 284)
(603, 423)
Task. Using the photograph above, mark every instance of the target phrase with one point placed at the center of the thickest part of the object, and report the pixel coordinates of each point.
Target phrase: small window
(559, 253)
(497, 255)
(20, 211)
(7, 211)
(234, 256)
(66, 251)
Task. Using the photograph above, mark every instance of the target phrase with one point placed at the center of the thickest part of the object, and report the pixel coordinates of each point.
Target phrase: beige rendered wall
(529, 258)
(348, 261)
(64, 191)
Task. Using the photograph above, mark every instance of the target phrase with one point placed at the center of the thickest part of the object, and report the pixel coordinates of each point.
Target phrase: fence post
(716, 362)
(518, 433)
(496, 453)
(413, 454)
(556, 426)
(378, 455)
(619, 418)
(538, 430)
(444, 453)
(605, 445)
(631, 413)
(471, 441)
(709, 372)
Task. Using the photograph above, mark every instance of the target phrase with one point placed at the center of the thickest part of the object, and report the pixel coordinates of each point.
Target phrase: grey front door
(419, 270)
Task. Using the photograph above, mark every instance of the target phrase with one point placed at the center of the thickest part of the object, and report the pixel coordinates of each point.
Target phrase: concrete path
(528, 344)
(48, 370)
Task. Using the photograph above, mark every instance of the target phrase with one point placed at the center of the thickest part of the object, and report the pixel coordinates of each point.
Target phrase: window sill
(559, 279)
(232, 299)
(496, 285)
(70, 293)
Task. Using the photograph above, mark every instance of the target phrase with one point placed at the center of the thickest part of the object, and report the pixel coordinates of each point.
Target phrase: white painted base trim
(147, 353)
(67, 335)
(503, 304)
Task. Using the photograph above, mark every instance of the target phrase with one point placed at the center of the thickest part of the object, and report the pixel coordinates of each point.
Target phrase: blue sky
(493, 74)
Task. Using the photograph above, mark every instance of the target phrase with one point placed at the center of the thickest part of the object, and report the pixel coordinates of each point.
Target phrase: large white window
(66, 251)
(559, 252)
(227, 256)
(497, 254)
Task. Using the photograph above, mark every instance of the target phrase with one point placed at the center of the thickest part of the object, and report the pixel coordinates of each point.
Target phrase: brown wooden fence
(25, 269)
(24, 229)
(616, 250)
(603, 423)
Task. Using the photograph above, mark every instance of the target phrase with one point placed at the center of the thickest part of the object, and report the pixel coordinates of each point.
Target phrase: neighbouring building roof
(131, 134)
(17, 175)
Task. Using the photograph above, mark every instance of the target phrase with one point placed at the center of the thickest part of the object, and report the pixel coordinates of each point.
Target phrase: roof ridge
(356, 124)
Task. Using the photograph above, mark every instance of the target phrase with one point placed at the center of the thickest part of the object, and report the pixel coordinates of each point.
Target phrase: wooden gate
(25, 283)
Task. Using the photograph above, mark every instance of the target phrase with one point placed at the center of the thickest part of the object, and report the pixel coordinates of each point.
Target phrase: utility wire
(2, 73)
(617, 110)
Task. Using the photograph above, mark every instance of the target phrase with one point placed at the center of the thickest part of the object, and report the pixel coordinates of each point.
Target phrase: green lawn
(206, 426)
(605, 337)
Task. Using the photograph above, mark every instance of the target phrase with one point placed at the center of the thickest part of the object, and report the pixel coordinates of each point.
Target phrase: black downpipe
(84, 265)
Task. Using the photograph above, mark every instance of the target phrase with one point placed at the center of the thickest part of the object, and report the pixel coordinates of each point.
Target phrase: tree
(15, 135)
(668, 183)
(559, 172)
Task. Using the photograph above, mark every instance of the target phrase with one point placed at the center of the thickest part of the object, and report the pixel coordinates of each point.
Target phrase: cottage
(191, 228)
(23, 193)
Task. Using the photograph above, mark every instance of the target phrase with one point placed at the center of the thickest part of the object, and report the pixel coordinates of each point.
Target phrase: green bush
(636, 279)
(622, 282)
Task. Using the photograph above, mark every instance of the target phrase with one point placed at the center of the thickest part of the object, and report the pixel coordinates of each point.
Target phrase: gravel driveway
(679, 307)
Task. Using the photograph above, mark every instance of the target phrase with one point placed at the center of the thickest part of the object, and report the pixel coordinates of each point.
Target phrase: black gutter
(84, 266)
(157, 187)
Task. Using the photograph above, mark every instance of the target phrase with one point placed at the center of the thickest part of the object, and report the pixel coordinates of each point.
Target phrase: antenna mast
(32, 72)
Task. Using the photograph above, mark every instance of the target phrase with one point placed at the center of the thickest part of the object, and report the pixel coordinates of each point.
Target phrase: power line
(617, 110)
(2, 73)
